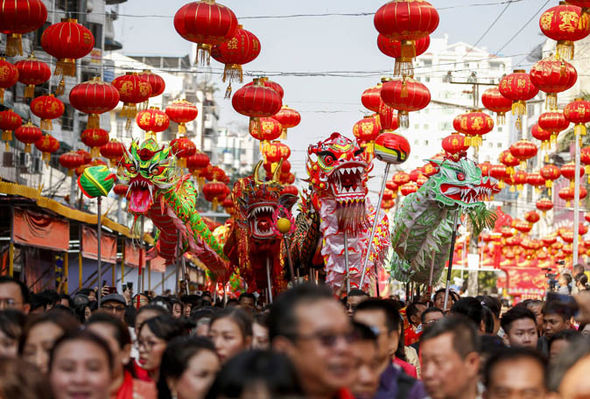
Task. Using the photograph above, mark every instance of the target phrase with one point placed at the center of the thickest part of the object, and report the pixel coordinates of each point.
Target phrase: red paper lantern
(393, 49)
(518, 87)
(390, 185)
(408, 188)
(568, 194)
(132, 90)
(94, 97)
(388, 118)
(152, 120)
(553, 76)
(183, 148)
(474, 124)
(485, 168)
(94, 138)
(207, 24)
(544, 136)
(28, 134)
(197, 162)
(367, 129)
(585, 160)
(272, 152)
(47, 108)
(523, 150)
(553, 122)
(578, 112)
(550, 173)
(47, 144)
(85, 155)
(32, 72)
(544, 204)
(587, 216)
(371, 98)
(71, 160)
(405, 95)
(212, 191)
(182, 112)
(565, 24)
(499, 173)
(277, 88)
(290, 190)
(8, 77)
(155, 81)
(510, 161)
(493, 100)
(532, 217)
(20, 17)
(113, 151)
(569, 172)
(256, 101)
(288, 118)
(519, 179)
(267, 129)
(455, 146)
(522, 226)
(536, 180)
(9, 121)
(400, 178)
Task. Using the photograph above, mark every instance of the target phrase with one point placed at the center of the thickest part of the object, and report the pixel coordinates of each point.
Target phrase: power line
(492, 25)
(523, 27)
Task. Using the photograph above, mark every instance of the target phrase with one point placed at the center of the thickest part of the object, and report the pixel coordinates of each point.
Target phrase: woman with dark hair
(81, 366)
(260, 332)
(22, 380)
(11, 327)
(116, 335)
(582, 282)
(177, 308)
(439, 299)
(153, 336)
(231, 332)
(40, 333)
(188, 368)
(257, 374)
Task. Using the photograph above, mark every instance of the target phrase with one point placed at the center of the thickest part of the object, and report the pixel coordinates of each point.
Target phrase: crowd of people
(306, 344)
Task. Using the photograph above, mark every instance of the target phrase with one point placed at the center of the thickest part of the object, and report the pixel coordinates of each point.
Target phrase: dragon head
(461, 183)
(147, 167)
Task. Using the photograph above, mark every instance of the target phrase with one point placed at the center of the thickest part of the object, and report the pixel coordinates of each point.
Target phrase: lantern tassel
(228, 91)
(95, 152)
(7, 136)
(46, 157)
(93, 121)
(61, 87)
(181, 128)
(129, 110)
(233, 72)
(46, 124)
(501, 118)
(14, 44)
(215, 204)
(565, 50)
(204, 54)
(404, 119)
(284, 134)
(66, 66)
(30, 91)
(2, 96)
(182, 163)
(580, 129)
(403, 67)
(27, 148)
(551, 102)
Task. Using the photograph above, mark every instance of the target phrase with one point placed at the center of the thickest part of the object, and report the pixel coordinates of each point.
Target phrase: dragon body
(158, 191)
(424, 224)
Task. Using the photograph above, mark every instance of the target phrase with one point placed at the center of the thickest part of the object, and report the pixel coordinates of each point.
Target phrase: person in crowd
(312, 328)
(495, 307)
(231, 332)
(177, 308)
(564, 282)
(14, 294)
(81, 366)
(439, 299)
(65, 300)
(202, 318)
(22, 380)
(560, 342)
(260, 332)
(127, 294)
(114, 304)
(516, 373)
(450, 358)
(406, 356)
(40, 333)
(536, 306)
(89, 292)
(142, 299)
(472, 309)
(556, 318)
(582, 282)
(366, 381)
(247, 301)
(569, 372)
(231, 303)
(414, 315)
(431, 315)
(384, 318)
(116, 334)
(12, 322)
(257, 374)
(519, 324)
(354, 297)
(152, 338)
(188, 368)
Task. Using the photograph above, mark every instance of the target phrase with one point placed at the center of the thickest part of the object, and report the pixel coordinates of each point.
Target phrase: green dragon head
(460, 183)
(147, 168)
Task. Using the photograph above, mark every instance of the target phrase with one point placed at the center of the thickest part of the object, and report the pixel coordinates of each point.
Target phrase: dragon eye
(130, 167)
(157, 170)
(460, 176)
(329, 159)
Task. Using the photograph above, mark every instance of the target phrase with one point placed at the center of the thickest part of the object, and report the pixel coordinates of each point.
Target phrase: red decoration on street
(152, 120)
(455, 146)
(544, 204)
(522, 226)
(550, 173)
(288, 118)
(553, 76)
(493, 100)
(408, 188)
(47, 144)
(400, 178)
(94, 138)
(47, 108)
(388, 118)
(8, 77)
(519, 179)
(132, 90)
(113, 151)
(510, 161)
(270, 84)
(536, 180)
(183, 148)
(565, 24)
(473, 124)
(121, 189)
(578, 113)
(544, 136)
(182, 112)
(554, 122)
(71, 160)
(371, 98)
(518, 87)
(393, 48)
(567, 194)
(9, 122)
(212, 191)
(266, 130)
(405, 95)
(28, 134)
(367, 129)
(257, 101)
(32, 72)
(155, 81)
(94, 97)
(532, 217)
(499, 173)
(585, 160)
(20, 17)
(569, 172)
(207, 24)
(195, 163)
(523, 150)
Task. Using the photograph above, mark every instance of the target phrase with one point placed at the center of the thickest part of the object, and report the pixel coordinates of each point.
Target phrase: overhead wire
(523, 27)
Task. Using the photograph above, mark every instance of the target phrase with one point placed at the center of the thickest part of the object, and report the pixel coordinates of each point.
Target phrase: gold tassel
(580, 129)
(233, 72)
(182, 163)
(66, 66)
(93, 121)
(215, 204)
(129, 110)
(7, 135)
(404, 92)
(14, 44)
(94, 152)
(404, 119)
(27, 148)
(501, 118)
(181, 128)
(565, 50)
(46, 157)
(2, 96)
(512, 189)
(30, 91)
(228, 92)
(46, 124)
(61, 87)
(284, 134)
(204, 54)
(551, 102)
(150, 135)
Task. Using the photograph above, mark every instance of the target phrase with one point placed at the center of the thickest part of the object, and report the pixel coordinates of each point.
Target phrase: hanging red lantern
(406, 95)
(207, 24)
(28, 134)
(519, 179)
(94, 138)
(71, 160)
(152, 120)
(20, 17)
(196, 162)
(544, 205)
(510, 161)
(371, 98)
(47, 108)
(532, 217)
(272, 152)
(455, 146)
(367, 129)
(85, 156)
(408, 188)
(257, 101)
(544, 136)
(8, 77)
(536, 180)
(569, 172)
(587, 216)
(518, 87)
(400, 178)
(155, 81)
(47, 144)
(390, 185)
(553, 122)
(277, 88)
(550, 173)
(393, 49)
(578, 113)
(430, 169)
(388, 118)
(288, 118)
(553, 76)
(523, 150)
(493, 100)
(522, 226)
(183, 148)
(565, 24)
(227, 203)
(415, 175)
(113, 151)
(67, 41)
(499, 173)
(182, 112)
(32, 72)
(266, 130)
(212, 191)
(132, 90)
(94, 97)
(485, 168)
(585, 160)
(9, 122)
(567, 194)
(474, 124)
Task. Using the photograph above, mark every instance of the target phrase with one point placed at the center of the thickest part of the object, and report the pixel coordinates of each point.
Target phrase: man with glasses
(311, 327)
(115, 305)
(430, 316)
(354, 297)
(384, 319)
(14, 294)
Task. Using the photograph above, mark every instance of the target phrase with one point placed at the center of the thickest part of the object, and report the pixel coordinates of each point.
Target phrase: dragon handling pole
(451, 253)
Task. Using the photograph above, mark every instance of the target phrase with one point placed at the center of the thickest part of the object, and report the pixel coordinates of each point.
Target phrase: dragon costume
(423, 226)
(252, 239)
(336, 204)
(158, 191)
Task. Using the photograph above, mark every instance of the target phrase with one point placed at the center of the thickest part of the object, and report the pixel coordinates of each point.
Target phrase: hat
(114, 298)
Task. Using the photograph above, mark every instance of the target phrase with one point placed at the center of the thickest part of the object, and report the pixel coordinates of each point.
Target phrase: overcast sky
(334, 43)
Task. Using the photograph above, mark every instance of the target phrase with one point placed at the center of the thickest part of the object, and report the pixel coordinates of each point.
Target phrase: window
(499, 145)
(67, 119)
(425, 142)
(96, 30)
(426, 126)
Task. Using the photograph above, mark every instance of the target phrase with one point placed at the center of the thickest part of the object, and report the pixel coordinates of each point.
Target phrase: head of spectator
(142, 299)
(52, 298)
(565, 282)
(260, 332)
(354, 297)
(519, 324)
(516, 373)
(206, 296)
(312, 328)
(257, 374)
(489, 345)
(582, 282)
(536, 306)
(202, 319)
(114, 304)
(367, 367)
(569, 372)
(65, 300)
(472, 309)
(40, 333)
(556, 318)
(154, 334)
(495, 307)
(579, 268)
(439, 299)
(231, 332)
(89, 292)
(80, 366)
(189, 366)
(414, 312)
(22, 380)
(12, 322)
(177, 308)
(247, 302)
(431, 315)
(14, 294)
(450, 359)
(148, 312)
(560, 342)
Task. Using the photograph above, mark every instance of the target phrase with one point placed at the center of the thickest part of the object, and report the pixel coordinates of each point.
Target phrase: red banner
(40, 230)
(158, 264)
(108, 244)
(131, 254)
(523, 281)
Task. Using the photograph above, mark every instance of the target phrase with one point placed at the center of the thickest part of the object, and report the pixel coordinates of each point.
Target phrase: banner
(158, 264)
(523, 281)
(40, 230)
(90, 245)
(131, 254)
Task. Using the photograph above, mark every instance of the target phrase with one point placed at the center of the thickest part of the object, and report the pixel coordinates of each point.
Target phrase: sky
(331, 43)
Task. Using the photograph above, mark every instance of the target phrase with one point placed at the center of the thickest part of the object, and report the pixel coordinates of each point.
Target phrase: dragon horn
(257, 173)
(277, 172)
